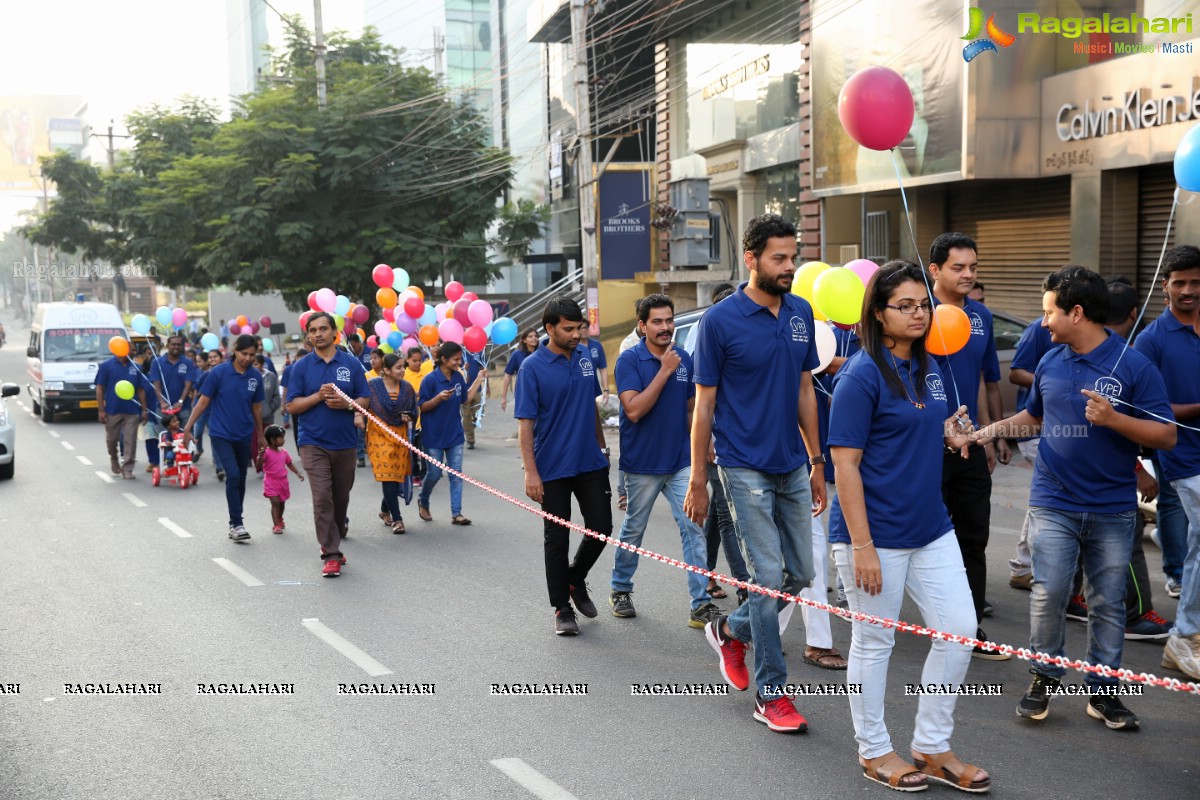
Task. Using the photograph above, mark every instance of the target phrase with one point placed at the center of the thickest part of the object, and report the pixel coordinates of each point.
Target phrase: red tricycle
(175, 462)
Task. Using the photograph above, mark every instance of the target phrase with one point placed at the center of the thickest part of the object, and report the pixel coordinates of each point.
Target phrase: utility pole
(319, 33)
(111, 149)
(583, 163)
(439, 47)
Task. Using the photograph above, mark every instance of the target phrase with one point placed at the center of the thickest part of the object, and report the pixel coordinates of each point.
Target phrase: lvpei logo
(995, 36)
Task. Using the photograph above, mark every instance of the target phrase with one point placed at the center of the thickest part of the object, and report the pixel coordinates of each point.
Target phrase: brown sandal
(459, 519)
(893, 778)
(825, 658)
(398, 526)
(935, 767)
(423, 513)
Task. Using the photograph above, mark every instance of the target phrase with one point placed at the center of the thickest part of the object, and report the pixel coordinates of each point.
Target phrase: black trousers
(967, 492)
(594, 495)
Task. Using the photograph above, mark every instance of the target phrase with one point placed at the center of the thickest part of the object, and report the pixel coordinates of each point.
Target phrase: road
(120, 582)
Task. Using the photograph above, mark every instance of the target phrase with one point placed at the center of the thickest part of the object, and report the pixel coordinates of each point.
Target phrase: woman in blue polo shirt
(529, 343)
(889, 422)
(443, 393)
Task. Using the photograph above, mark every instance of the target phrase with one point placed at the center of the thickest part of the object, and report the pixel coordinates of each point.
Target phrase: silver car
(7, 434)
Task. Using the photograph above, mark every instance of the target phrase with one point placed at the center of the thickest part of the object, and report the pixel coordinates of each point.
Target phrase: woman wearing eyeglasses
(889, 424)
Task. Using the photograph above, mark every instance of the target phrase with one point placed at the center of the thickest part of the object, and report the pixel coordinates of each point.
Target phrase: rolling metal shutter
(1023, 230)
(1156, 193)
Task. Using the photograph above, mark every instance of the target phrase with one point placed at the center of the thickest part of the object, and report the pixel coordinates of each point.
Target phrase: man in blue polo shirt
(1172, 343)
(563, 450)
(967, 483)
(120, 417)
(755, 352)
(1033, 345)
(1095, 401)
(327, 436)
(173, 375)
(233, 396)
(444, 392)
(654, 385)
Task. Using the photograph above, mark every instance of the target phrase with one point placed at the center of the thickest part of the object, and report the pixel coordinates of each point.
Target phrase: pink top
(275, 473)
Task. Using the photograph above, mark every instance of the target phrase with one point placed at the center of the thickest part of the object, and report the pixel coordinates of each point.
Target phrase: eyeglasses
(908, 309)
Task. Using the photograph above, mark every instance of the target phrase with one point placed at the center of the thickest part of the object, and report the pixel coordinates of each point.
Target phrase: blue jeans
(936, 580)
(1056, 539)
(718, 529)
(360, 449)
(1187, 616)
(451, 457)
(198, 429)
(772, 517)
(235, 456)
(642, 491)
(1172, 527)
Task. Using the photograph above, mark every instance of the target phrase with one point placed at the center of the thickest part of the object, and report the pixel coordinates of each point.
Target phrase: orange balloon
(428, 335)
(386, 298)
(118, 346)
(417, 291)
(242, 321)
(950, 331)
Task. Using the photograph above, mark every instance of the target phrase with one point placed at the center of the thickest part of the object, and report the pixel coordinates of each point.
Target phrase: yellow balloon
(806, 276)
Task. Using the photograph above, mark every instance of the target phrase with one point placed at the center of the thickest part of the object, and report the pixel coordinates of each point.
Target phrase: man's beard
(770, 287)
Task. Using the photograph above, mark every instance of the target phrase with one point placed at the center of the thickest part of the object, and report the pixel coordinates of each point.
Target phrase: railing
(528, 314)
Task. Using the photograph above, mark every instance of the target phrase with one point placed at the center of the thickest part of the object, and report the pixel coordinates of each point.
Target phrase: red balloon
(474, 338)
(312, 301)
(842, 327)
(304, 319)
(454, 290)
(414, 307)
(389, 314)
(383, 276)
(234, 329)
(264, 321)
(876, 108)
(470, 297)
(372, 342)
(360, 315)
(460, 312)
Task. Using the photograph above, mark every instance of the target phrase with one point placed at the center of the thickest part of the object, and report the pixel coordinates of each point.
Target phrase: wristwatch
(605, 451)
(819, 458)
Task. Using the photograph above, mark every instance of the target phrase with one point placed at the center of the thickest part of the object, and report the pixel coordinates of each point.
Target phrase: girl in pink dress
(275, 463)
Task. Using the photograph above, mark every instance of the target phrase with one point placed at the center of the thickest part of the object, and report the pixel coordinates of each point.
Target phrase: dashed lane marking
(237, 572)
(55, 434)
(66, 444)
(173, 528)
(530, 779)
(131, 497)
(84, 460)
(350, 651)
(104, 476)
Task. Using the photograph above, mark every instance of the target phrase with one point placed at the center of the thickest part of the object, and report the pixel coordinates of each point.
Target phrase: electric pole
(111, 149)
(585, 180)
(319, 33)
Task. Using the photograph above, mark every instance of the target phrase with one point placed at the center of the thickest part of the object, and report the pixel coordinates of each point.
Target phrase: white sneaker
(1183, 653)
(239, 533)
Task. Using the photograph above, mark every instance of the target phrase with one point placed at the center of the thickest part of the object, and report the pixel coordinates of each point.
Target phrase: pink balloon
(470, 297)
(451, 331)
(409, 342)
(440, 310)
(454, 290)
(304, 319)
(372, 342)
(312, 301)
(414, 306)
(876, 108)
(389, 314)
(264, 321)
(179, 318)
(361, 314)
(479, 312)
(864, 268)
(383, 276)
(326, 300)
(252, 327)
(460, 312)
(234, 329)
(406, 324)
(382, 328)
(474, 338)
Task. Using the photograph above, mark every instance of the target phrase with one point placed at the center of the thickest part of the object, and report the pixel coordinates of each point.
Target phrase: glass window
(736, 91)
(783, 191)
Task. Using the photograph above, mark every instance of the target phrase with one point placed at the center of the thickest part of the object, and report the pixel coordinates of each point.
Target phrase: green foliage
(291, 197)
(520, 225)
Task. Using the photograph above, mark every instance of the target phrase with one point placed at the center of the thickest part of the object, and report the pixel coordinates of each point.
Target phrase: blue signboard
(626, 203)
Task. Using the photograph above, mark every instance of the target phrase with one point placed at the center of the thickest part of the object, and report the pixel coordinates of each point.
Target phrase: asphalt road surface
(119, 582)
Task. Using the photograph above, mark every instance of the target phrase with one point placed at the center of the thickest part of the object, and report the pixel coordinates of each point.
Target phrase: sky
(127, 54)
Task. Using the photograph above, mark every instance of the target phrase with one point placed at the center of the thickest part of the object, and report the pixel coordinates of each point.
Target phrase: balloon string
(1176, 423)
(1153, 282)
(153, 365)
(917, 251)
(817, 385)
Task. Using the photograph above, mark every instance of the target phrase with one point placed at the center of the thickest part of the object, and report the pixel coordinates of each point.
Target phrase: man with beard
(755, 352)
(173, 377)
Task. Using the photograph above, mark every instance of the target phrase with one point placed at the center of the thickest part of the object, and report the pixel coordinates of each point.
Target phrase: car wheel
(6, 470)
(47, 414)
(37, 407)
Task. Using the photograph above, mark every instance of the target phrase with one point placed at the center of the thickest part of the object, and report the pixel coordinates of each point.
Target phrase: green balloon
(124, 390)
(838, 294)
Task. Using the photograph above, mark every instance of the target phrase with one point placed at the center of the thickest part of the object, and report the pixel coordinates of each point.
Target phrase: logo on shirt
(133, 370)
(977, 326)
(934, 384)
(585, 366)
(1109, 387)
(799, 330)
(182, 369)
(681, 373)
(252, 384)
(343, 375)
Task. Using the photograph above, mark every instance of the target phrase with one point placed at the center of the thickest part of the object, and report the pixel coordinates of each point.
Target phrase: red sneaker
(342, 560)
(780, 715)
(333, 568)
(732, 653)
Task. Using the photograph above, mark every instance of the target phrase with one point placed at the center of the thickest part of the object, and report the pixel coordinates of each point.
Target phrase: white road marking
(55, 434)
(237, 572)
(104, 476)
(173, 528)
(84, 460)
(331, 638)
(131, 497)
(67, 445)
(535, 782)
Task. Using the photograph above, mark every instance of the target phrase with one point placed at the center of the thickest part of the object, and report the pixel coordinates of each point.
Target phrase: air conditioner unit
(847, 253)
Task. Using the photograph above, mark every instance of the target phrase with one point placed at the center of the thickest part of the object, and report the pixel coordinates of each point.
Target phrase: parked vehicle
(67, 342)
(8, 436)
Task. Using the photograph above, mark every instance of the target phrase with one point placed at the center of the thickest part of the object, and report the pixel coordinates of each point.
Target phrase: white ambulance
(67, 342)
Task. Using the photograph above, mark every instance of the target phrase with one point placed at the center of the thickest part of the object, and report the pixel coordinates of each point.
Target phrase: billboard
(920, 40)
(25, 135)
(626, 199)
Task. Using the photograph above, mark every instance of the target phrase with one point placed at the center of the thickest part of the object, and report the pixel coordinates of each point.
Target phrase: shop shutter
(1023, 230)
(1156, 193)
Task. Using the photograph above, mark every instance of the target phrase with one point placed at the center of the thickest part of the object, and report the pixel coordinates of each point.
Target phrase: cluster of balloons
(165, 316)
(835, 293)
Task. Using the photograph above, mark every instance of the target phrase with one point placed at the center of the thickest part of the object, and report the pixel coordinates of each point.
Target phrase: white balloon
(826, 346)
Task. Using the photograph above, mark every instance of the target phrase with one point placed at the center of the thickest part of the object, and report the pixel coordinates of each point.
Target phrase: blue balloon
(429, 317)
(268, 345)
(210, 341)
(342, 305)
(504, 330)
(1187, 161)
(163, 315)
(140, 324)
(395, 339)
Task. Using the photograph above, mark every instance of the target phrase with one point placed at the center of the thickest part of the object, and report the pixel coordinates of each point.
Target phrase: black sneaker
(622, 604)
(987, 655)
(703, 615)
(1035, 704)
(1077, 609)
(583, 603)
(1114, 713)
(564, 622)
(221, 475)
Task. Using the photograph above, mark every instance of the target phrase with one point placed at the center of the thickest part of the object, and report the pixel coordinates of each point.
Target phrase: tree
(291, 197)
(520, 225)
